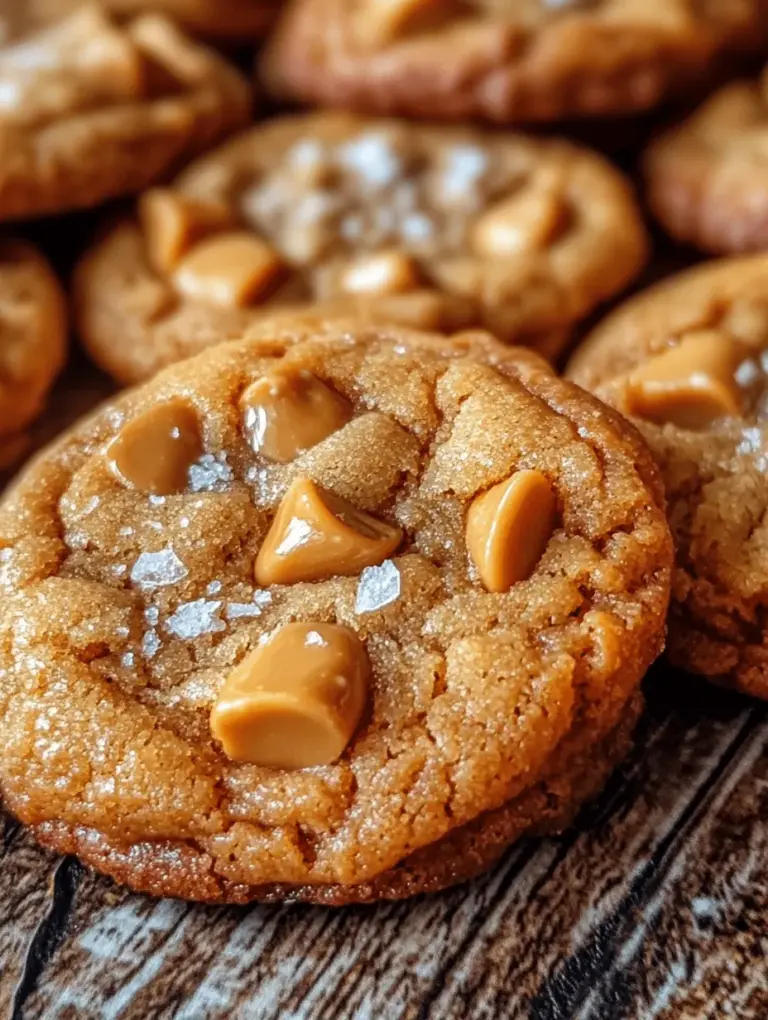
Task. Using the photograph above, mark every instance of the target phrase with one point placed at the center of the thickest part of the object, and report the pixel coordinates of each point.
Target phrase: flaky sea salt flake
(155, 570)
(249, 610)
(378, 587)
(150, 644)
(373, 157)
(193, 619)
(210, 474)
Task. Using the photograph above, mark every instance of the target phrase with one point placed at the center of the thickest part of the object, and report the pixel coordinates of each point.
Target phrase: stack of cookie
(352, 590)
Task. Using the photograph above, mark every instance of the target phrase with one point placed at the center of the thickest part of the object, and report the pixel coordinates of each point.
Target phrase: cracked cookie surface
(488, 714)
(706, 180)
(686, 360)
(503, 60)
(429, 226)
(94, 109)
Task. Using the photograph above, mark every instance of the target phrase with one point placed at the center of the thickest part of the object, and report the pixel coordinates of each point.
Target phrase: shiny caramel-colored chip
(383, 272)
(690, 385)
(383, 21)
(296, 700)
(508, 528)
(527, 221)
(233, 269)
(316, 535)
(285, 413)
(154, 451)
(172, 223)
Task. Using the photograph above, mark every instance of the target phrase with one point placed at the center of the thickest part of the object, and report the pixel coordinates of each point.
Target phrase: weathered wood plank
(612, 920)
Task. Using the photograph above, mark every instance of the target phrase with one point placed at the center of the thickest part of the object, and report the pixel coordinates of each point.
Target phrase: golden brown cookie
(91, 110)
(706, 180)
(376, 721)
(33, 331)
(432, 227)
(503, 60)
(686, 360)
(234, 20)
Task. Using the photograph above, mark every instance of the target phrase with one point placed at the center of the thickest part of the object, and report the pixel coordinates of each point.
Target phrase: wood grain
(653, 906)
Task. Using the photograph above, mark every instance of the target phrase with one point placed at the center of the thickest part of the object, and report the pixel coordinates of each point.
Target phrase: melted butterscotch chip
(316, 535)
(690, 385)
(153, 452)
(384, 272)
(232, 269)
(296, 700)
(508, 529)
(286, 413)
(173, 223)
(527, 221)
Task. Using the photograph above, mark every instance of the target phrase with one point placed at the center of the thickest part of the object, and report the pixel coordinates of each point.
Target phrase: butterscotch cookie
(33, 327)
(92, 110)
(432, 227)
(235, 20)
(330, 618)
(503, 60)
(686, 361)
(218, 19)
(706, 179)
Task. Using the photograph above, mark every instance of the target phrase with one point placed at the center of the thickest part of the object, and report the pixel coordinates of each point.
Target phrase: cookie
(686, 360)
(33, 326)
(430, 227)
(224, 19)
(235, 20)
(706, 177)
(523, 60)
(93, 110)
(258, 661)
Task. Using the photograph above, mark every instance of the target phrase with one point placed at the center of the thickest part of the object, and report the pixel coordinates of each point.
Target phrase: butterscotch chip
(706, 176)
(98, 109)
(231, 269)
(690, 385)
(383, 21)
(33, 327)
(508, 528)
(381, 273)
(296, 700)
(316, 535)
(687, 359)
(155, 450)
(286, 413)
(159, 677)
(510, 62)
(524, 222)
(387, 221)
(173, 223)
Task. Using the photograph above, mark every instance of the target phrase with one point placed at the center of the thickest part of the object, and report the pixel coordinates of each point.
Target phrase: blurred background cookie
(706, 179)
(525, 60)
(91, 110)
(235, 20)
(687, 362)
(33, 331)
(429, 226)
